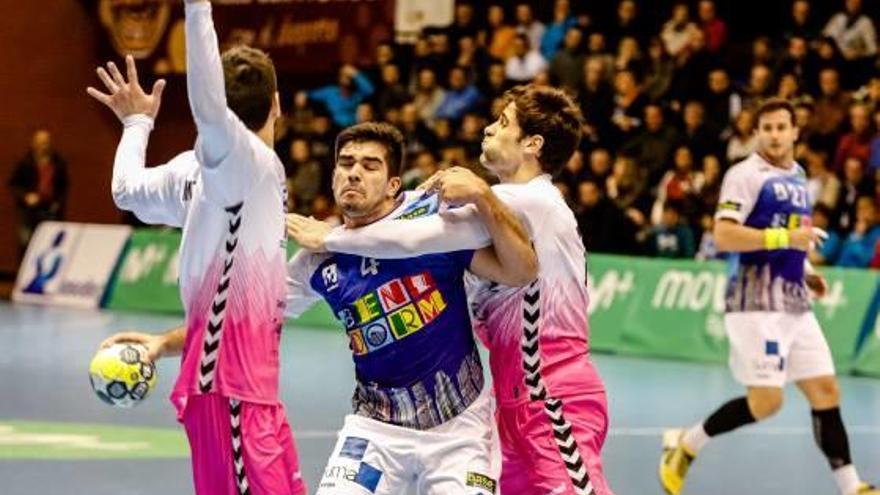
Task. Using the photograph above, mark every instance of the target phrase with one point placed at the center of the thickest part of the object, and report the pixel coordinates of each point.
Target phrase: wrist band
(776, 239)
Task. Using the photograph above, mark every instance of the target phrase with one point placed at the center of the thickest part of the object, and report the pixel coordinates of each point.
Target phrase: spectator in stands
(299, 120)
(604, 226)
(416, 134)
(626, 186)
(496, 83)
(464, 23)
(856, 38)
(629, 55)
(567, 67)
(856, 183)
(391, 93)
(659, 70)
(421, 55)
(709, 182)
(597, 49)
(500, 35)
(305, 176)
(526, 62)
(743, 142)
(696, 135)
(471, 57)
(801, 23)
(629, 106)
(857, 142)
(763, 53)
(574, 172)
(39, 186)
(652, 146)
(671, 237)
(461, 97)
(596, 98)
(830, 108)
(722, 101)
(383, 56)
(428, 96)
(693, 67)
(679, 30)
(628, 24)
(527, 24)
(365, 113)
(557, 30)
(341, 100)
(823, 185)
(422, 166)
(470, 136)
(600, 166)
(713, 28)
(679, 185)
(796, 61)
(827, 252)
(441, 58)
(805, 121)
(322, 140)
(759, 88)
(789, 88)
(858, 248)
(874, 156)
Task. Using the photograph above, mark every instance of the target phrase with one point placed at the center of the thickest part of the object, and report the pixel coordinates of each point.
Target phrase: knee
(764, 403)
(824, 393)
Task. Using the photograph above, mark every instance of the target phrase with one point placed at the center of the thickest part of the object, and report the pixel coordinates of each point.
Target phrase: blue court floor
(44, 355)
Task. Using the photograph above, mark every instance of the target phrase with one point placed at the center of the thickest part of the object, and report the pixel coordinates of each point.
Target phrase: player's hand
(307, 232)
(817, 284)
(458, 186)
(802, 238)
(127, 97)
(154, 343)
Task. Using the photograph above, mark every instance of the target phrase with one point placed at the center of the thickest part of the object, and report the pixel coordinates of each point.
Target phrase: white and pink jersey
(538, 335)
(228, 196)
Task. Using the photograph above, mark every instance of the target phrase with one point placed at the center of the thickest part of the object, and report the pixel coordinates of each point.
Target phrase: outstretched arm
(205, 85)
(152, 194)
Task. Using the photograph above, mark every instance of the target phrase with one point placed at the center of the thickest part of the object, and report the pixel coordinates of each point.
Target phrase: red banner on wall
(302, 36)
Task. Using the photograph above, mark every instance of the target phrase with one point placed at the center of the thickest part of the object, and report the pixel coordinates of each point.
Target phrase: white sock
(847, 479)
(695, 439)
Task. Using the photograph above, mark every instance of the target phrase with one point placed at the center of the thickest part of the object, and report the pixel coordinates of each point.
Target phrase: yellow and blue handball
(121, 374)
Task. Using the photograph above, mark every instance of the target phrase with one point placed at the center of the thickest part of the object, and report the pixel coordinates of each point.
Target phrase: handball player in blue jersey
(763, 217)
(422, 415)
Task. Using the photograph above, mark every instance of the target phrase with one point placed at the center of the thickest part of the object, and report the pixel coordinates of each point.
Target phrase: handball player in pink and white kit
(552, 412)
(228, 195)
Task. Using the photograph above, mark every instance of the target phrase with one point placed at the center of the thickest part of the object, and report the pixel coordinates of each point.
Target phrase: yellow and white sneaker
(675, 462)
(866, 489)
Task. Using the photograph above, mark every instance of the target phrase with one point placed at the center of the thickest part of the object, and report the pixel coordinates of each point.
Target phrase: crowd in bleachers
(667, 109)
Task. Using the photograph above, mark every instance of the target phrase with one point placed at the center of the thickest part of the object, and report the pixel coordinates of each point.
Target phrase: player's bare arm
(168, 344)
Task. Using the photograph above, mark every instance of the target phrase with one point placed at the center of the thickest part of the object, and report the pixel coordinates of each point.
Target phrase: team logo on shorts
(478, 480)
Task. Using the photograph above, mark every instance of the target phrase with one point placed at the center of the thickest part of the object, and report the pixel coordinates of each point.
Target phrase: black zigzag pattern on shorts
(214, 331)
(562, 433)
(237, 453)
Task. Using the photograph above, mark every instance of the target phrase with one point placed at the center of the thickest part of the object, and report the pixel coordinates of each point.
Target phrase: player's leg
(208, 425)
(267, 453)
(460, 456)
(560, 447)
(759, 346)
(812, 368)
(369, 458)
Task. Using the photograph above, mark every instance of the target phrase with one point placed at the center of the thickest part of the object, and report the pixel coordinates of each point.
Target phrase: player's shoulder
(751, 169)
(539, 194)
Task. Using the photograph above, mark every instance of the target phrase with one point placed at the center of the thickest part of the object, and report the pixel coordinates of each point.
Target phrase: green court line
(54, 440)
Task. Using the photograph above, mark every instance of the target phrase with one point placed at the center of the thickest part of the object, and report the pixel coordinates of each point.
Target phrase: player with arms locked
(552, 410)
(228, 195)
(764, 217)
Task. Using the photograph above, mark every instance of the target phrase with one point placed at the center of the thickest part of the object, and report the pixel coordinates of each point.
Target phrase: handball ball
(121, 375)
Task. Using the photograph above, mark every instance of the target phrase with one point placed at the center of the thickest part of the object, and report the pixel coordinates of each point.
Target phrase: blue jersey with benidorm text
(758, 194)
(409, 329)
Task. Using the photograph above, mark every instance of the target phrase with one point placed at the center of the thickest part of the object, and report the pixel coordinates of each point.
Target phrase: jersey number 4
(369, 266)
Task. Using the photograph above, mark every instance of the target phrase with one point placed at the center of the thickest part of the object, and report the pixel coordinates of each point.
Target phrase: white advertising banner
(70, 264)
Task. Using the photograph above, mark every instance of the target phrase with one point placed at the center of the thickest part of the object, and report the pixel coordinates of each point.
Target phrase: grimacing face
(776, 134)
(135, 26)
(504, 146)
(360, 179)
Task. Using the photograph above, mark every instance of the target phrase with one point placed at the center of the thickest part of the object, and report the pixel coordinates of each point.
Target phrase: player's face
(361, 185)
(503, 149)
(776, 135)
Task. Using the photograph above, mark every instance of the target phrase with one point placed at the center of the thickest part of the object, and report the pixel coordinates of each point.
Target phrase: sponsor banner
(69, 264)
(301, 36)
(147, 278)
(675, 308)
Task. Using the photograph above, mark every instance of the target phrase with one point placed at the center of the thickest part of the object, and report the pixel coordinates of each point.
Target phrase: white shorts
(769, 349)
(457, 457)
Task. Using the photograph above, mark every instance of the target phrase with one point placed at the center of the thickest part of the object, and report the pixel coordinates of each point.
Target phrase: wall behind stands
(50, 53)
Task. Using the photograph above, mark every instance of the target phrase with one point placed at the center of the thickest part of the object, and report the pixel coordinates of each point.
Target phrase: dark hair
(822, 209)
(771, 105)
(382, 133)
(553, 115)
(250, 84)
